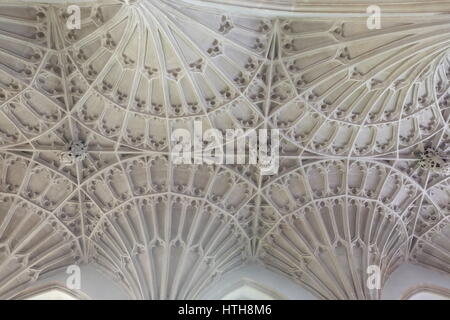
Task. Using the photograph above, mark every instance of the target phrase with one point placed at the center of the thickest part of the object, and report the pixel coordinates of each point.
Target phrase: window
(50, 292)
(427, 293)
(249, 290)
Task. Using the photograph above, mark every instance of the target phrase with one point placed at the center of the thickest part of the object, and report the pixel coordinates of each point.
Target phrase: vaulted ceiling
(355, 108)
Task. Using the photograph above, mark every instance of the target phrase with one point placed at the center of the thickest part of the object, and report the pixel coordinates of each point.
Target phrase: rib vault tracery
(85, 122)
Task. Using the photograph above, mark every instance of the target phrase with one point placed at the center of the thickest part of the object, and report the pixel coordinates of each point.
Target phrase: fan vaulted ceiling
(355, 108)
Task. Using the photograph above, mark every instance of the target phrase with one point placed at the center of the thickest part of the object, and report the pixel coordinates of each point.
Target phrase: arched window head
(427, 292)
(52, 291)
(250, 290)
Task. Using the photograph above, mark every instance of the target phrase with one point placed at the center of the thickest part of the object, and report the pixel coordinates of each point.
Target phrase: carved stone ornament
(85, 122)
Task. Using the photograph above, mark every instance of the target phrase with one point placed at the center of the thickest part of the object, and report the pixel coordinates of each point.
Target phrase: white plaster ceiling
(355, 108)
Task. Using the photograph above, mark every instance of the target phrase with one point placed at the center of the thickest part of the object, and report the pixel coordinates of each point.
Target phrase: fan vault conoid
(355, 108)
